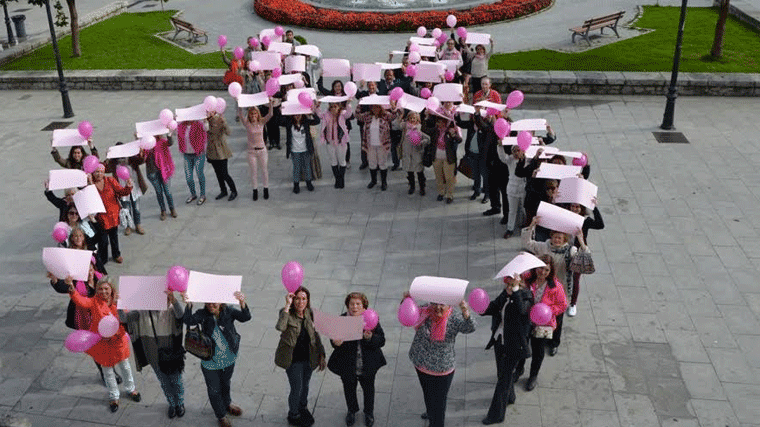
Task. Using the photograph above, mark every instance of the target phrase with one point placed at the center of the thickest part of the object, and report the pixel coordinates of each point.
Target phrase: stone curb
(535, 82)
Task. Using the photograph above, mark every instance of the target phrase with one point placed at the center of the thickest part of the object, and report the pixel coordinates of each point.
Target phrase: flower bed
(295, 12)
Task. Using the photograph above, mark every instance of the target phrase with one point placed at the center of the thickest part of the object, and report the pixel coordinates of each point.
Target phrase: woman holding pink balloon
(110, 190)
(218, 152)
(192, 137)
(159, 167)
(510, 326)
(258, 157)
(444, 134)
(129, 216)
(76, 156)
(479, 66)
(113, 348)
(413, 145)
(550, 305)
(358, 361)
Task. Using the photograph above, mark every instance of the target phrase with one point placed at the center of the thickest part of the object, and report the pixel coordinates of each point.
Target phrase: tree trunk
(76, 51)
(720, 29)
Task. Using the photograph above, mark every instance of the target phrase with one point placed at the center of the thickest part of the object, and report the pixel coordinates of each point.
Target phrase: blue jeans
(195, 161)
(301, 165)
(218, 388)
(299, 375)
(171, 384)
(162, 188)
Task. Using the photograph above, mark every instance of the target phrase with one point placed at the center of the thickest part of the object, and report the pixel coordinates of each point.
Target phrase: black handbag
(199, 344)
(428, 155)
(465, 165)
(170, 360)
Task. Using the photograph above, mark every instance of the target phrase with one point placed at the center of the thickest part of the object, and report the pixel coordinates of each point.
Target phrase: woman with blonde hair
(257, 150)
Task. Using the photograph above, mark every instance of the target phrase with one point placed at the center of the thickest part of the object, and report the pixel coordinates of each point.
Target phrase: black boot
(410, 178)
(296, 188)
(255, 195)
(233, 191)
(383, 179)
(373, 178)
(342, 175)
(421, 179)
(309, 186)
(336, 174)
(266, 193)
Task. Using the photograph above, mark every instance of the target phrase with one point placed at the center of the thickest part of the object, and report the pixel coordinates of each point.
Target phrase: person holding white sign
(218, 152)
(110, 190)
(218, 322)
(258, 157)
(413, 146)
(159, 167)
(334, 134)
(76, 156)
(377, 140)
(595, 222)
(192, 137)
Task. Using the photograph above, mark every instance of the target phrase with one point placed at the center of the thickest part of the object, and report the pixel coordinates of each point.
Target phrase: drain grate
(56, 125)
(670, 137)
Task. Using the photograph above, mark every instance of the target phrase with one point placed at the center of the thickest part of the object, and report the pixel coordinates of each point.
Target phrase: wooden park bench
(600, 23)
(195, 33)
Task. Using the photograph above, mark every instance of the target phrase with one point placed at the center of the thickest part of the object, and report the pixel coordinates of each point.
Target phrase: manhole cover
(670, 137)
(56, 125)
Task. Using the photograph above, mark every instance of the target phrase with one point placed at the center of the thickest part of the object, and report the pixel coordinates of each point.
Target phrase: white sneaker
(572, 311)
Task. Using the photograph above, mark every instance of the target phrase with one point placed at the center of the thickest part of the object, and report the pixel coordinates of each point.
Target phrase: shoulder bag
(170, 360)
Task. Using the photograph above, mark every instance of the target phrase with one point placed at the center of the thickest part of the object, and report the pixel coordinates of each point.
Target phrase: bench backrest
(603, 19)
(181, 22)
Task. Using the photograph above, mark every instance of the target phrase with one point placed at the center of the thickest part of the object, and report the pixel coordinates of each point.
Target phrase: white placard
(281, 47)
(308, 50)
(489, 104)
(448, 92)
(289, 79)
(336, 67)
(295, 63)
(333, 98)
(427, 51)
(547, 151)
(442, 290)
(204, 287)
(572, 154)
(191, 114)
(512, 140)
(269, 32)
(67, 138)
(451, 64)
(153, 127)
(340, 328)
(375, 99)
(252, 100)
(267, 60)
(553, 171)
(577, 190)
(428, 72)
(142, 293)
(529, 125)
(291, 108)
(124, 151)
(292, 94)
(520, 264)
(422, 41)
(555, 218)
(478, 38)
(61, 179)
(366, 72)
(387, 66)
(88, 201)
(63, 262)
(413, 103)
(464, 108)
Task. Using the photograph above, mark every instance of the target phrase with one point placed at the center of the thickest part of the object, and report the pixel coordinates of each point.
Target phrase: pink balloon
(414, 137)
(411, 70)
(209, 103)
(235, 89)
(172, 125)
(90, 163)
(425, 93)
(541, 314)
(451, 21)
(238, 52)
(266, 40)
(176, 278)
(277, 72)
(524, 138)
(462, 32)
(443, 38)
(108, 326)
(350, 89)
(433, 103)
(448, 75)
(491, 111)
(166, 116)
(122, 172)
(81, 288)
(221, 105)
(501, 127)
(81, 340)
(148, 142)
(371, 319)
(221, 40)
(292, 275)
(437, 32)
(408, 312)
(60, 234)
(582, 161)
(414, 57)
(63, 225)
(253, 42)
(85, 129)
(279, 30)
(272, 86)
(421, 31)
(304, 99)
(414, 47)
(396, 94)
(437, 43)
(479, 300)
(514, 99)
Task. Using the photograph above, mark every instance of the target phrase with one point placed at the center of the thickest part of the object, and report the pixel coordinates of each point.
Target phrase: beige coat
(218, 130)
(412, 155)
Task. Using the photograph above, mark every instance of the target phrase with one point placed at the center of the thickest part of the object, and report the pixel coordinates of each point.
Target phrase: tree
(720, 29)
(61, 21)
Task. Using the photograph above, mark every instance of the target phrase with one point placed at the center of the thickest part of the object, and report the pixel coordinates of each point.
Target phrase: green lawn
(125, 41)
(654, 51)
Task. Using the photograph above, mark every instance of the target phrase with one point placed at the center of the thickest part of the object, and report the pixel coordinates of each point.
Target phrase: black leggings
(220, 169)
(368, 389)
(435, 389)
(112, 235)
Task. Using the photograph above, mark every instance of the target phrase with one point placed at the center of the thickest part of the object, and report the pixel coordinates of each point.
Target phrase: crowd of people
(392, 137)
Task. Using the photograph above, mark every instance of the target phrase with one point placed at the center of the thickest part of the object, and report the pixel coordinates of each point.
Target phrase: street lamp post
(67, 111)
(11, 38)
(670, 104)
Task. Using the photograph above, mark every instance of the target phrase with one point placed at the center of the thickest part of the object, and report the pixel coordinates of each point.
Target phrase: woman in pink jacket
(334, 134)
(192, 144)
(548, 290)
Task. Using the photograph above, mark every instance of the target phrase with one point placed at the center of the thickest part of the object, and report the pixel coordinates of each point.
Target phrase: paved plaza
(666, 332)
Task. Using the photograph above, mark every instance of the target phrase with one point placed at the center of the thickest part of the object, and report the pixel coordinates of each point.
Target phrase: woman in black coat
(510, 325)
(358, 361)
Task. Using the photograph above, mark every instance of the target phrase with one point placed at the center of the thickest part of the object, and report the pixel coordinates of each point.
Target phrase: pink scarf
(163, 158)
(437, 326)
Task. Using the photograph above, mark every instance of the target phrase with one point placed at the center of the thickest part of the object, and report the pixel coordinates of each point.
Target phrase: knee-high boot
(342, 176)
(373, 178)
(336, 174)
(410, 178)
(421, 179)
(383, 179)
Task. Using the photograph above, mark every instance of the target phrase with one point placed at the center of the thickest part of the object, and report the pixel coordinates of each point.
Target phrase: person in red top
(110, 191)
(111, 351)
(485, 93)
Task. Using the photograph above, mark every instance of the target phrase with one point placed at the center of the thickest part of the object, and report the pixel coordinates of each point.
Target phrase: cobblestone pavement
(666, 332)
